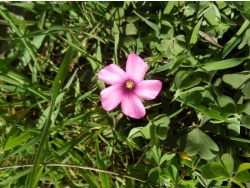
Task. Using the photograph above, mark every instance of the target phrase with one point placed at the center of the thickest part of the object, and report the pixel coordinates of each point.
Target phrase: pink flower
(128, 88)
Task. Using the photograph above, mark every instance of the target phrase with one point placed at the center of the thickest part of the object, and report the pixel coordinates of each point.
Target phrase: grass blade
(234, 40)
(103, 176)
(58, 82)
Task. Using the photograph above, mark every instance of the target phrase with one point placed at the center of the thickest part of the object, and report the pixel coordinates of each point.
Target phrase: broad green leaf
(145, 131)
(228, 162)
(224, 64)
(185, 80)
(245, 90)
(219, 169)
(197, 142)
(167, 30)
(207, 173)
(135, 132)
(171, 173)
(226, 104)
(236, 80)
(245, 120)
(243, 176)
(193, 97)
(155, 152)
(167, 157)
(234, 129)
(139, 170)
(211, 17)
(161, 127)
(243, 167)
(130, 29)
(134, 138)
(129, 41)
(154, 174)
(164, 46)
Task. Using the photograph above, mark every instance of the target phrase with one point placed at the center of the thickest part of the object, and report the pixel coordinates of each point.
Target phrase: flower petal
(111, 96)
(136, 68)
(112, 74)
(148, 89)
(132, 106)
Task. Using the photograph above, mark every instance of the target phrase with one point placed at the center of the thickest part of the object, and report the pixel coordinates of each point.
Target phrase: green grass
(54, 131)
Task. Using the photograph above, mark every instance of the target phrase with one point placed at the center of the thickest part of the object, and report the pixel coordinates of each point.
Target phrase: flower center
(130, 84)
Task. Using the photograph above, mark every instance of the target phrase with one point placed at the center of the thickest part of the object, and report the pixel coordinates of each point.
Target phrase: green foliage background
(54, 132)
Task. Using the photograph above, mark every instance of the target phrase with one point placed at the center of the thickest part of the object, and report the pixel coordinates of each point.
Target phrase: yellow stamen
(130, 84)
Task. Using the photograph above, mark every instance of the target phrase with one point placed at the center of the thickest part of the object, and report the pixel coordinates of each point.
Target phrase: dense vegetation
(54, 130)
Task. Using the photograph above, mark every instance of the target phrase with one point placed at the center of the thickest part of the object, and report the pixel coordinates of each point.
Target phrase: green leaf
(195, 32)
(5, 13)
(219, 169)
(185, 80)
(154, 174)
(167, 157)
(150, 24)
(245, 120)
(228, 162)
(15, 140)
(224, 64)
(235, 40)
(243, 167)
(207, 173)
(132, 19)
(171, 173)
(245, 90)
(226, 104)
(197, 142)
(205, 110)
(134, 137)
(245, 39)
(243, 176)
(130, 29)
(145, 131)
(234, 129)
(192, 97)
(161, 127)
(104, 178)
(61, 74)
(236, 80)
(165, 45)
(170, 5)
(57, 85)
(238, 183)
(210, 15)
(17, 177)
(116, 38)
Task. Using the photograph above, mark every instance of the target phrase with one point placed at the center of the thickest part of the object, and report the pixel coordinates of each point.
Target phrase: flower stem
(178, 111)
